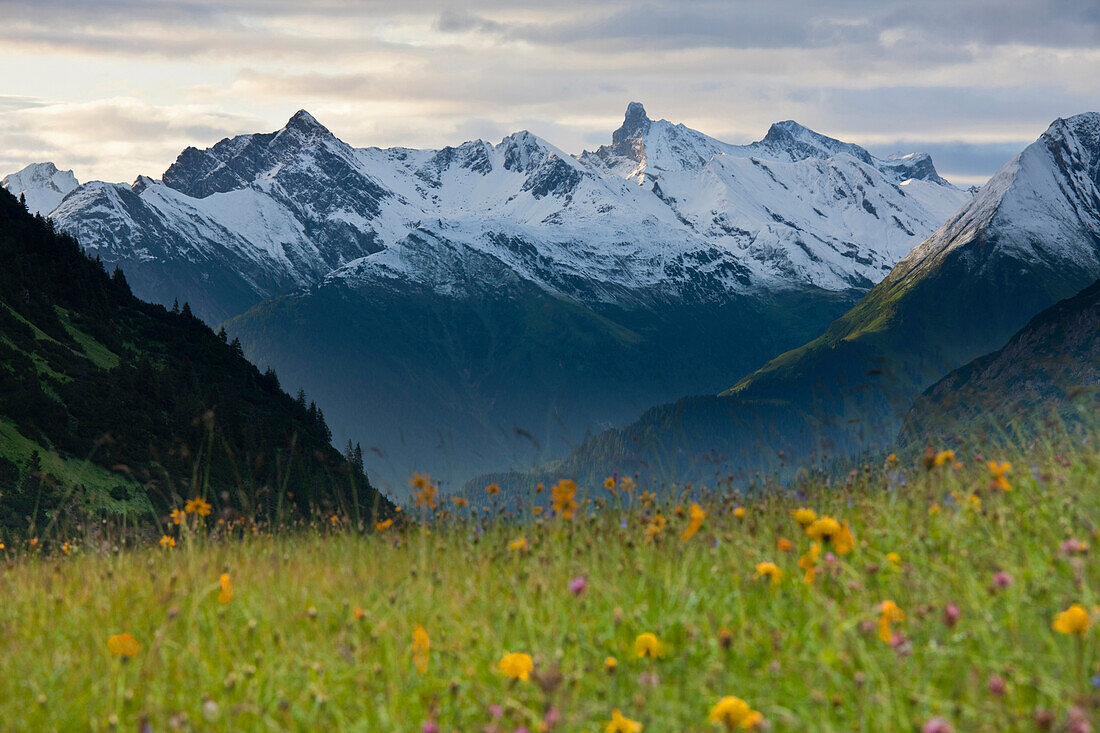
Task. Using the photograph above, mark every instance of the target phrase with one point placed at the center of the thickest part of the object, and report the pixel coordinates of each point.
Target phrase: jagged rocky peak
(234, 163)
(635, 124)
(305, 123)
(627, 142)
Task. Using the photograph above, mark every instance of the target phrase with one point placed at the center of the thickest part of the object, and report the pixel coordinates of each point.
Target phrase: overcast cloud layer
(113, 88)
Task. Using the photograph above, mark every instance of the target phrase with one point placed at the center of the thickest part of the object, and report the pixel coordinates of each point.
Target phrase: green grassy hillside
(111, 406)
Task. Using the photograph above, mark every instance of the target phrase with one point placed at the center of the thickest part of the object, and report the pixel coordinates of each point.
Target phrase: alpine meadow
(412, 385)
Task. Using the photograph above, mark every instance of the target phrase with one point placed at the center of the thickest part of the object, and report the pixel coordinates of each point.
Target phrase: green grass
(288, 652)
(99, 354)
(17, 448)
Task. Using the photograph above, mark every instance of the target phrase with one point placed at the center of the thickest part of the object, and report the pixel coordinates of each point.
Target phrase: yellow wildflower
(421, 645)
(519, 544)
(697, 517)
(67, 548)
(627, 484)
(892, 460)
(768, 570)
(537, 511)
(823, 529)
(610, 664)
(804, 516)
(934, 509)
(808, 562)
(975, 502)
(783, 544)
(894, 559)
(733, 712)
(655, 527)
(943, 457)
(492, 489)
(648, 498)
(844, 542)
(1074, 620)
(383, 525)
(739, 512)
(426, 491)
(609, 483)
(226, 593)
(176, 516)
(516, 665)
(999, 470)
(198, 505)
(890, 613)
(167, 542)
(123, 645)
(620, 724)
(647, 645)
(563, 496)
(460, 501)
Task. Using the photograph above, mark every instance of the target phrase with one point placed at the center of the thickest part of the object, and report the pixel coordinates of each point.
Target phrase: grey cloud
(11, 102)
(114, 139)
(934, 24)
(457, 21)
(938, 26)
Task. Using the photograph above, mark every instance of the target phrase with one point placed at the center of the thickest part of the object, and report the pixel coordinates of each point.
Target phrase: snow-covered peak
(42, 185)
(143, 182)
(1043, 206)
(792, 141)
(910, 167)
(643, 149)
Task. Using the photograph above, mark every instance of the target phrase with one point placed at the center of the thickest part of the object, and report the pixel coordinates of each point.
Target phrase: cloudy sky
(113, 88)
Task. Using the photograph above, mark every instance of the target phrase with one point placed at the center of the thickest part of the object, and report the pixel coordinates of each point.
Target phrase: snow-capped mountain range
(488, 305)
(662, 207)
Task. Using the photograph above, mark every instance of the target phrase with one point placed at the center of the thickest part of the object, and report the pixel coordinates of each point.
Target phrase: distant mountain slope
(1049, 370)
(109, 405)
(1029, 238)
